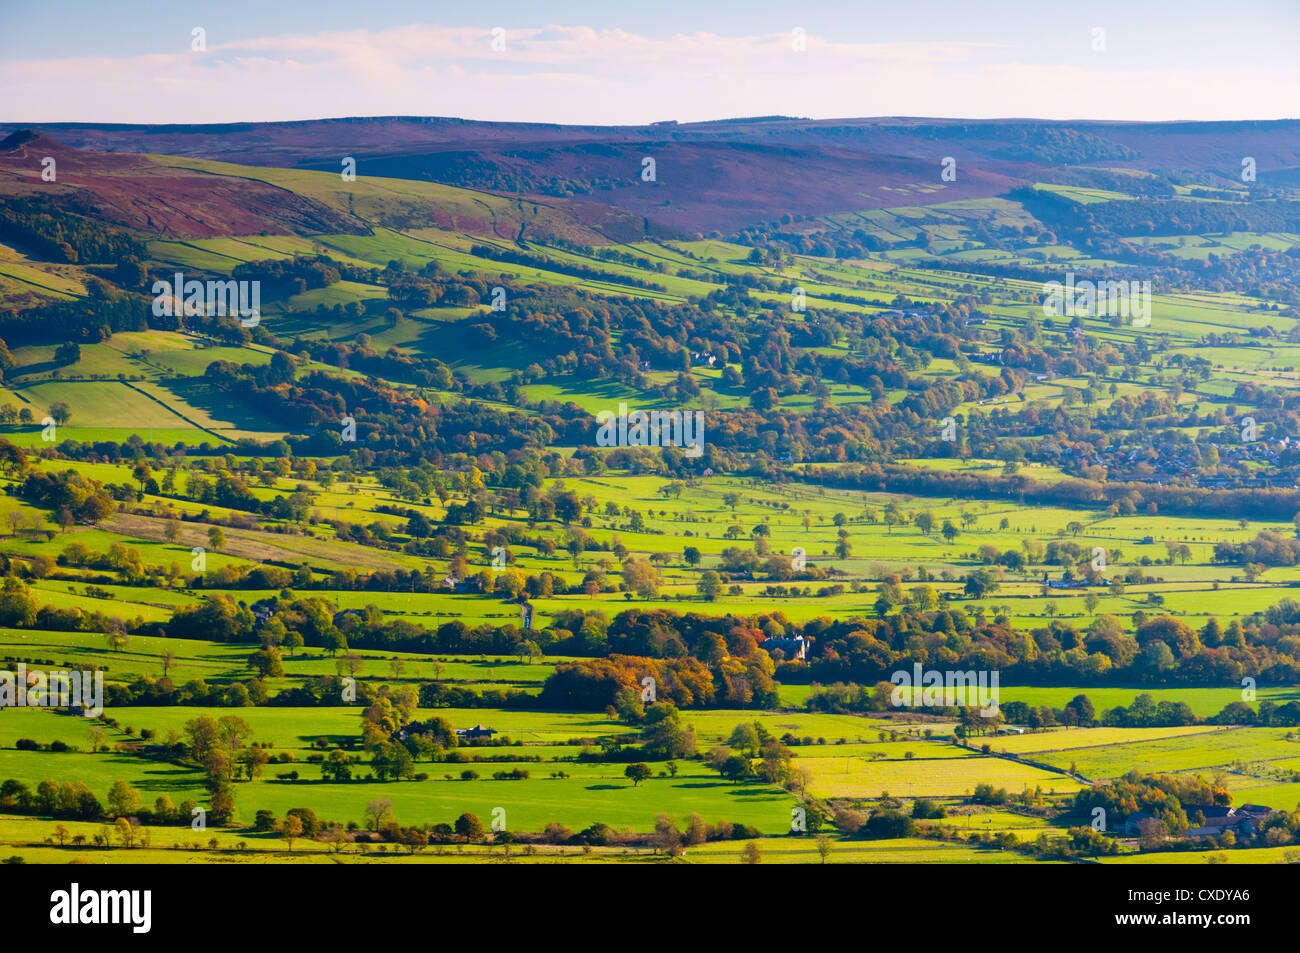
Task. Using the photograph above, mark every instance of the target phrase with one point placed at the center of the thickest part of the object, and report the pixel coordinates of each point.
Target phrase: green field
(1097, 522)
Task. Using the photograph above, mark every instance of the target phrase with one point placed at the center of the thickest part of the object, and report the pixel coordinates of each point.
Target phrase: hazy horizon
(580, 63)
(1070, 120)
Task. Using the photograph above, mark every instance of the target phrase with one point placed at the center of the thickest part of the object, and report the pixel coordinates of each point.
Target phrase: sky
(621, 62)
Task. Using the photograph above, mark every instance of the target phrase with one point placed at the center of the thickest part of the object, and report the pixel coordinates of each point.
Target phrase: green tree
(710, 585)
(291, 829)
(267, 662)
(379, 814)
(735, 768)
(469, 827)
(123, 799)
(824, 845)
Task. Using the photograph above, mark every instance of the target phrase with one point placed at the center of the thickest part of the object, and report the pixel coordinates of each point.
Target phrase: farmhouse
(1244, 821)
(796, 648)
(475, 733)
(1133, 823)
(1239, 824)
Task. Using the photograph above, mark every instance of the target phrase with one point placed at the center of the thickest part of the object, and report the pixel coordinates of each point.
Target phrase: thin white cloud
(578, 74)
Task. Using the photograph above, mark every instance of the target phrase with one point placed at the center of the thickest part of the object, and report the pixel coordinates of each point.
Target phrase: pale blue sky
(604, 62)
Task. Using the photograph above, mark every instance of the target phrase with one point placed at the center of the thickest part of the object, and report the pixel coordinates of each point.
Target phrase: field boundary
(173, 410)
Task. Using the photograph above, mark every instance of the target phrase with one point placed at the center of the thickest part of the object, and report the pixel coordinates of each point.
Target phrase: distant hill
(720, 176)
(137, 192)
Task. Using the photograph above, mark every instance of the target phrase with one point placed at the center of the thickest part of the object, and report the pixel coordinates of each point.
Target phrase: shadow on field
(163, 777)
(744, 790)
(199, 393)
(335, 741)
(41, 367)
